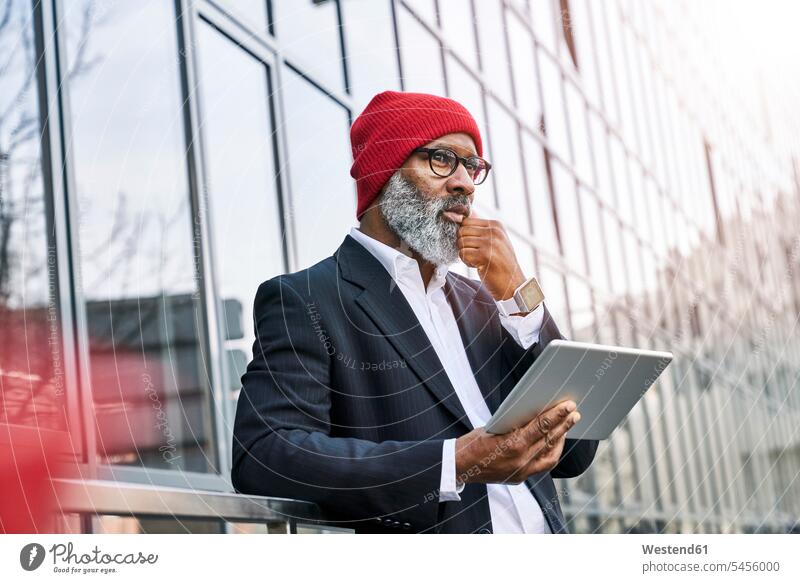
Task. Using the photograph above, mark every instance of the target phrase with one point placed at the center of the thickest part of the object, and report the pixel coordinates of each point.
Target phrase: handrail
(107, 497)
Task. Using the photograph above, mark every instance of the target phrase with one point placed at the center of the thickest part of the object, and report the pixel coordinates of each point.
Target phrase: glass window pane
(371, 49)
(523, 63)
(552, 282)
(459, 28)
(465, 89)
(421, 55)
(616, 259)
(422, 8)
(581, 310)
(507, 167)
(544, 228)
(555, 122)
(544, 24)
(137, 247)
(31, 366)
(323, 193)
(241, 185)
(309, 35)
(595, 244)
(569, 219)
(576, 108)
(494, 58)
(253, 11)
(524, 253)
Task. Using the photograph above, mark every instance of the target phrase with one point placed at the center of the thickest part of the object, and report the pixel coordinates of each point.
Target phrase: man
(375, 370)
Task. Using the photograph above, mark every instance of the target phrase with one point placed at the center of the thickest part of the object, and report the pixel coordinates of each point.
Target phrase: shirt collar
(399, 265)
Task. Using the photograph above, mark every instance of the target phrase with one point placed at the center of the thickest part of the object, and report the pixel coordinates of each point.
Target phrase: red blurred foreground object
(29, 462)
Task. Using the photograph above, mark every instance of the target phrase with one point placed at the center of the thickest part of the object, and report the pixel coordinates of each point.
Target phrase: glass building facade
(152, 153)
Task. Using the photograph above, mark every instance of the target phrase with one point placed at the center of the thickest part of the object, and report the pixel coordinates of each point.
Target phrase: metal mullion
(66, 208)
(265, 48)
(281, 144)
(396, 44)
(59, 277)
(232, 29)
(520, 144)
(198, 193)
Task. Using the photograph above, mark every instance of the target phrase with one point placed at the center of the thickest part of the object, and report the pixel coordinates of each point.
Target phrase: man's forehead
(462, 147)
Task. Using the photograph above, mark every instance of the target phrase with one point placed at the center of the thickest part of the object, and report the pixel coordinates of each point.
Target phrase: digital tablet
(605, 382)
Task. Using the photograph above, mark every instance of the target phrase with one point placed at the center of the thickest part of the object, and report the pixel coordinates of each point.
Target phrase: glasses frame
(460, 159)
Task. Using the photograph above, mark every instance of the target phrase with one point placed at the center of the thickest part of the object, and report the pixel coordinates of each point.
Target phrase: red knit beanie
(392, 125)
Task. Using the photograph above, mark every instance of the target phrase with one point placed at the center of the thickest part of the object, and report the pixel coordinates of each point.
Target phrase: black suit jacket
(346, 403)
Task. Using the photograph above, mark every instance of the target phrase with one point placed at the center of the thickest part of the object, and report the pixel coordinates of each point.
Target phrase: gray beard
(417, 220)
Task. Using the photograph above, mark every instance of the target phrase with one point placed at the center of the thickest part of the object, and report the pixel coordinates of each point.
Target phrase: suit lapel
(551, 515)
(387, 307)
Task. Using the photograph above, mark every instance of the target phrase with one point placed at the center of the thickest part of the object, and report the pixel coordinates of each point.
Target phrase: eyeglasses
(444, 162)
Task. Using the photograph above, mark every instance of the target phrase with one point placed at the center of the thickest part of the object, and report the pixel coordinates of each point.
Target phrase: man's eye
(440, 157)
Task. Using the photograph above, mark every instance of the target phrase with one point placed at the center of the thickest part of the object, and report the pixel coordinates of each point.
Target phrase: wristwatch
(527, 297)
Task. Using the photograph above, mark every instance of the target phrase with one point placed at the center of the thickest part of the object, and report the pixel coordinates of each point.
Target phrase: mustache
(458, 202)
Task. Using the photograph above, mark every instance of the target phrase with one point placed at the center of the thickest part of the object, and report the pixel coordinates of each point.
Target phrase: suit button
(484, 531)
(406, 525)
(378, 520)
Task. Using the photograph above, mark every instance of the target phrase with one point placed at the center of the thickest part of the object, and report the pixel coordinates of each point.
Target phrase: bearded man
(375, 370)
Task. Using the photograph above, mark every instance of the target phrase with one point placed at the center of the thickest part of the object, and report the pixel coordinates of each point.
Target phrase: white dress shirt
(512, 506)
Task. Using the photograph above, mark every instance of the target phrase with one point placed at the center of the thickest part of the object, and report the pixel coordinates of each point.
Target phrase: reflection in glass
(241, 184)
(323, 193)
(31, 358)
(137, 247)
(111, 524)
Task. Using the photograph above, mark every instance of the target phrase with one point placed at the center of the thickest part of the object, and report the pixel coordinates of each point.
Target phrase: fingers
(547, 451)
(471, 257)
(473, 220)
(466, 230)
(543, 423)
(470, 242)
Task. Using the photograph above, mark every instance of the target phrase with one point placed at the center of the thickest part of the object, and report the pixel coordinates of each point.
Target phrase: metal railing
(101, 497)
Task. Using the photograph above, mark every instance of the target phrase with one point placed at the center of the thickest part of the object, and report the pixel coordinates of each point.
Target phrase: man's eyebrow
(452, 147)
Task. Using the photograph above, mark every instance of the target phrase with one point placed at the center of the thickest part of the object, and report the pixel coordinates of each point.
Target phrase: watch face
(532, 294)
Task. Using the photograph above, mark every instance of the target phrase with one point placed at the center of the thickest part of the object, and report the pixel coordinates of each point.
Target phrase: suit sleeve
(283, 444)
(578, 454)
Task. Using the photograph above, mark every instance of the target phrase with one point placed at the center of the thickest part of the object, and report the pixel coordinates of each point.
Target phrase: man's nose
(460, 182)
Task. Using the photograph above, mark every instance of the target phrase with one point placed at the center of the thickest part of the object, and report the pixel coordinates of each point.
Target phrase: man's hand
(512, 457)
(484, 245)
